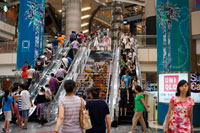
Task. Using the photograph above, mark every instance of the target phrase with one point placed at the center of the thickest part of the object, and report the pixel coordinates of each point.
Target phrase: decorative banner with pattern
(30, 31)
(173, 36)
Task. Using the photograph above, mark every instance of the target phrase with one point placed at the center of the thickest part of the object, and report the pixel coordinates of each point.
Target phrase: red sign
(170, 83)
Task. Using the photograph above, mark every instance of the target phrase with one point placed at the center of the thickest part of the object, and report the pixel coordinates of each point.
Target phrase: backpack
(48, 95)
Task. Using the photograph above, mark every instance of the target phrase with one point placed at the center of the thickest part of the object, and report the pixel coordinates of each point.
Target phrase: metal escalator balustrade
(115, 83)
(137, 64)
(75, 69)
(109, 77)
(114, 104)
(61, 51)
(52, 68)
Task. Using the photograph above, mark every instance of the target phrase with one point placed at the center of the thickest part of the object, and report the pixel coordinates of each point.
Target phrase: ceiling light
(60, 11)
(85, 31)
(84, 24)
(85, 8)
(85, 16)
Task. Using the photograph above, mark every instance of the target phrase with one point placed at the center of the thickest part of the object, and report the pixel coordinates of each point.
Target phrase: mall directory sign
(168, 85)
(30, 31)
(173, 33)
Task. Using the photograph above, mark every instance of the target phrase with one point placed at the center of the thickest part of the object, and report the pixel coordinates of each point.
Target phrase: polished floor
(34, 127)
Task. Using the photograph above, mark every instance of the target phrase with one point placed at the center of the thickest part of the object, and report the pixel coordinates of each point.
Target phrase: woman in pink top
(180, 113)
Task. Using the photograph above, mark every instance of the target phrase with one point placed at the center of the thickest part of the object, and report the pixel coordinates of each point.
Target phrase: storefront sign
(168, 85)
(152, 86)
(195, 87)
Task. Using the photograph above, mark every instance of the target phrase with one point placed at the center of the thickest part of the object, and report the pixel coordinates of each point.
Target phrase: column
(117, 21)
(73, 16)
(150, 14)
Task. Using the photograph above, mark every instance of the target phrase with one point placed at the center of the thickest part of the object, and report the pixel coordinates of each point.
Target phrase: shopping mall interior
(164, 38)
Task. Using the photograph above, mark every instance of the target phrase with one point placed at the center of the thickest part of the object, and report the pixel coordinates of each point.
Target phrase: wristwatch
(55, 131)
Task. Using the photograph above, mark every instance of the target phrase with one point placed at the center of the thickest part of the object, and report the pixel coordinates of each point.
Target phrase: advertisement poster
(168, 85)
(173, 47)
(30, 31)
(195, 86)
(197, 3)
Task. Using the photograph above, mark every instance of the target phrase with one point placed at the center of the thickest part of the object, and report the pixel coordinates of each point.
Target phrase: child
(7, 108)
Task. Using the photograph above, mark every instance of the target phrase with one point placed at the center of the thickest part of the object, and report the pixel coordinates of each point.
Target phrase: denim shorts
(25, 113)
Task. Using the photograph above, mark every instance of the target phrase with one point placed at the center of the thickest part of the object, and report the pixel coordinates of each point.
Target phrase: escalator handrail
(45, 72)
(74, 66)
(137, 65)
(70, 72)
(109, 80)
(115, 82)
(33, 95)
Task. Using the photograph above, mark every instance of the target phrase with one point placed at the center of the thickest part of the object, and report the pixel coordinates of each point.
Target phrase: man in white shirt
(65, 61)
(44, 59)
(125, 38)
(26, 104)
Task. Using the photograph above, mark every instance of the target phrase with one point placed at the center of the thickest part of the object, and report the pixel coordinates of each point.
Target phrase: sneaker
(4, 130)
(8, 131)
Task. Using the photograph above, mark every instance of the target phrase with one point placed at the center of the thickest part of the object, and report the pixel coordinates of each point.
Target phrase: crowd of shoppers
(101, 42)
(19, 102)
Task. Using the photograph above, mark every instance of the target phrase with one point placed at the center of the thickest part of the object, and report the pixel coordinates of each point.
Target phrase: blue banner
(173, 46)
(30, 31)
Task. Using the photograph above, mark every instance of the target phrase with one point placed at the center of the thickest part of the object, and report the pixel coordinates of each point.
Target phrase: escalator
(51, 68)
(115, 84)
(77, 66)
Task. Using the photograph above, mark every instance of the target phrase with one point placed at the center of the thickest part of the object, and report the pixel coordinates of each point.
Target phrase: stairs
(96, 74)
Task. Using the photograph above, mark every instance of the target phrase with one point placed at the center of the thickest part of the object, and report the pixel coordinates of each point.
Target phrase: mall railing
(115, 83)
(7, 19)
(146, 40)
(133, 14)
(8, 47)
(75, 69)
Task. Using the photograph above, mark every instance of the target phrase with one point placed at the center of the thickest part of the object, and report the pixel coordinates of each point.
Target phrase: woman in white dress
(106, 41)
(128, 45)
(96, 42)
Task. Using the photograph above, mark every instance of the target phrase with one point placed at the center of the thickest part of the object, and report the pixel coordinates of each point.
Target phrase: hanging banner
(173, 36)
(30, 31)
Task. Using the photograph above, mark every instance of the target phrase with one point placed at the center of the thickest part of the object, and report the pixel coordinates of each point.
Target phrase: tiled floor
(34, 127)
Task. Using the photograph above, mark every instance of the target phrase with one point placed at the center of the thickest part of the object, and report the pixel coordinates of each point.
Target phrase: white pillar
(73, 16)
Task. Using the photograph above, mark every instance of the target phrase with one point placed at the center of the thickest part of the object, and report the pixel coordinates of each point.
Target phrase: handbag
(84, 117)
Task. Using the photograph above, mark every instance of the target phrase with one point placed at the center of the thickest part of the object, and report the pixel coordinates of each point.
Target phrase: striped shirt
(72, 107)
(20, 104)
